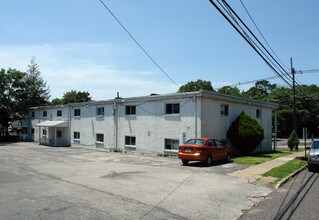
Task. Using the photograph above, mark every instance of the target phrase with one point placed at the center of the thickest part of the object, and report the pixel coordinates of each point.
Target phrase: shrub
(293, 141)
(245, 133)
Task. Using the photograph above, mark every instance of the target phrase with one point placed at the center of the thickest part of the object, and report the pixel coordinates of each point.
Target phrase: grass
(285, 169)
(258, 158)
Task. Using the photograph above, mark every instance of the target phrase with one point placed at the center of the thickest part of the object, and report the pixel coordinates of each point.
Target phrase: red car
(203, 149)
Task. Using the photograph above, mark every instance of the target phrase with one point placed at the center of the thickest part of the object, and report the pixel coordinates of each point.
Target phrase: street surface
(297, 199)
(40, 182)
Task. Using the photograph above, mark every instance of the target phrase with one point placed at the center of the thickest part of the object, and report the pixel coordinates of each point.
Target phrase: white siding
(200, 117)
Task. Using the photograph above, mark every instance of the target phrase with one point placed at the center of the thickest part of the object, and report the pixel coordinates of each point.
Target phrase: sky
(79, 46)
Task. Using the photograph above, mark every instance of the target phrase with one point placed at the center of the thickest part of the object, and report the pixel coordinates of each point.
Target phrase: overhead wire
(139, 45)
(280, 68)
(231, 14)
(262, 34)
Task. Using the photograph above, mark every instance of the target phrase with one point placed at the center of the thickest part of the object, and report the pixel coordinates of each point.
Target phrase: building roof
(157, 97)
(56, 124)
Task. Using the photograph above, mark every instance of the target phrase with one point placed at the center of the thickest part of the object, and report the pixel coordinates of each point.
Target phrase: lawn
(258, 158)
(286, 169)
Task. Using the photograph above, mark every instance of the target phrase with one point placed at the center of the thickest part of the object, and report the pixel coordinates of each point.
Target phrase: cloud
(97, 68)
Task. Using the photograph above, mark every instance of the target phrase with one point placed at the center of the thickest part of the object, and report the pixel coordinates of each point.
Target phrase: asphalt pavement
(297, 199)
(40, 182)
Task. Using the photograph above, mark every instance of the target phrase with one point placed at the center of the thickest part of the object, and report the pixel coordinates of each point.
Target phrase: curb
(284, 180)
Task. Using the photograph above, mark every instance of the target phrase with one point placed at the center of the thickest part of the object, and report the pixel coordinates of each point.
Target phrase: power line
(280, 68)
(261, 33)
(275, 67)
(250, 81)
(138, 44)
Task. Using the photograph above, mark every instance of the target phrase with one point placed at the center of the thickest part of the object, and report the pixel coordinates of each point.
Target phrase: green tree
(75, 96)
(229, 90)
(56, 101)
(18, 92)
(260, 91)
(245, 133)
(196, 86)
(293, 141)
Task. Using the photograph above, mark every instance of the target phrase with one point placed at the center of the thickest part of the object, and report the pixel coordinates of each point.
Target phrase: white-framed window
(130, 110)
(59, 113)
(171, 144)
(44, 132)
(224, 109)
(172, 108)
(32, 114)
(45, 114)
(100, 111)
(258, 113)
(77, 112)
(130, 140)
(100, 137)
(76, 135)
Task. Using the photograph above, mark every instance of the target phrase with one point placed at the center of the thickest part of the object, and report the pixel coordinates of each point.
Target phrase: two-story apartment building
(156, 123)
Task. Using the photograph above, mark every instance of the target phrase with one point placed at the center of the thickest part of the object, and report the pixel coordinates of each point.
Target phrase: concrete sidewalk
(254, 172)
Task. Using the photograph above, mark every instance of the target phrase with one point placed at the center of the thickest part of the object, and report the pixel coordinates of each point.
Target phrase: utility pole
(293, 94)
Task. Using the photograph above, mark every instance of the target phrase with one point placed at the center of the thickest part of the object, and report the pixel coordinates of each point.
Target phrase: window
(130, 140)
(258, 113)
(76, 135)
(44, 132)
(224, 110)
(172, 108)
(32, 114)
(100, 137)
(58, 133)
(100, 111)
(77, 112)
(59, 113)
(171, 144)
(32, 131)
(130, 110)
(44, 114)
(218, 143)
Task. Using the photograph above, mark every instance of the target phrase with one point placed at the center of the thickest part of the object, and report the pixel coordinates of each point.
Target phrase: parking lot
(40, 182)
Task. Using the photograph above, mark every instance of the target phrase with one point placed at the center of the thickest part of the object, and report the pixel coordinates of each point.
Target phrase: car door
(220, 151)
(213, 151)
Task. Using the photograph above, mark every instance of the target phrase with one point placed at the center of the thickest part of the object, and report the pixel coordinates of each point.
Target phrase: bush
(293, 141)
(245, 133)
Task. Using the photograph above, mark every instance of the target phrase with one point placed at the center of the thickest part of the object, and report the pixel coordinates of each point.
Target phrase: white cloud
(85, 67)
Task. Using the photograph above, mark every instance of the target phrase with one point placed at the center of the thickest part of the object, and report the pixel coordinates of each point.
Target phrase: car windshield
(315, 145)
(194, 141)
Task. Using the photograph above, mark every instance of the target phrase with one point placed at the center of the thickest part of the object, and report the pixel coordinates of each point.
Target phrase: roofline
(200, 93)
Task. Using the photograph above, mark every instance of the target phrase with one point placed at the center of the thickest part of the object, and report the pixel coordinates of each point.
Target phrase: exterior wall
(35, 116)
(217, 125)
(88, 124)
(149, 126)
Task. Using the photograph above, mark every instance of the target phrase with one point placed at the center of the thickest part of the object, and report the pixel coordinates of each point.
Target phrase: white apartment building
(156, 123)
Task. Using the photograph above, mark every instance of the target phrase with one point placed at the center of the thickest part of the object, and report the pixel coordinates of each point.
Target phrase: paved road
(39, 182)
(298, 199)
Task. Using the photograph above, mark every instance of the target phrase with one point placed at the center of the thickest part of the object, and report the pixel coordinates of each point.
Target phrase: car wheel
(185, 162)
(209, 161)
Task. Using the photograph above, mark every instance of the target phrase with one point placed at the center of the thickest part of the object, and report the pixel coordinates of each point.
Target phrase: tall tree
(196, 86)
(19, 91)
(37, 92)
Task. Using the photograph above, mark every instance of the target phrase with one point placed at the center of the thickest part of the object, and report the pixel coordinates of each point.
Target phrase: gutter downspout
(115, 113)
(195, 112)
